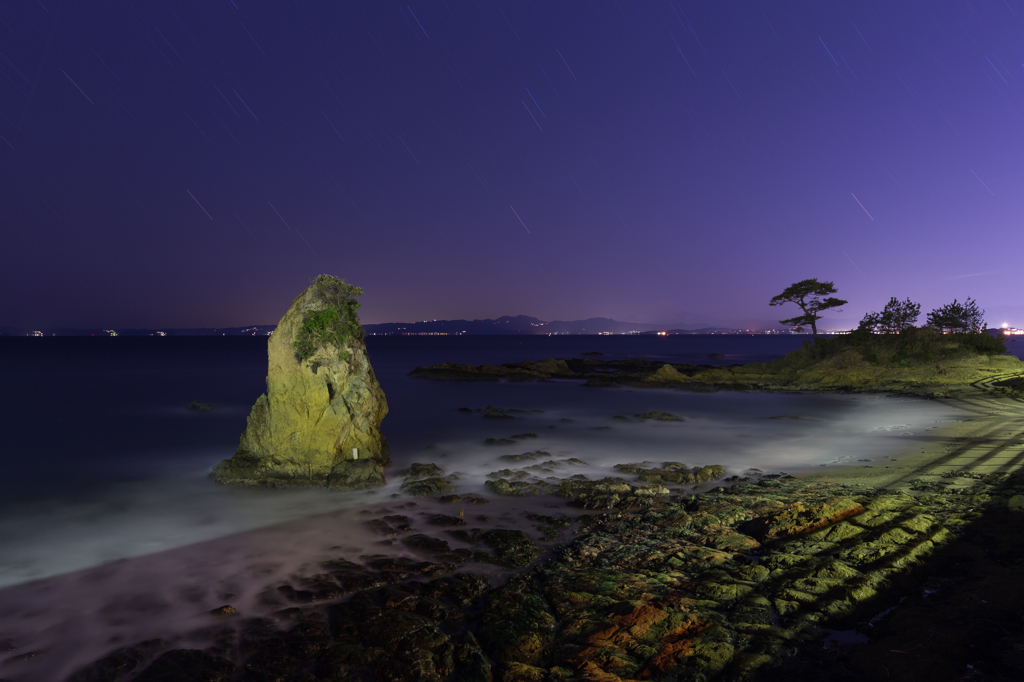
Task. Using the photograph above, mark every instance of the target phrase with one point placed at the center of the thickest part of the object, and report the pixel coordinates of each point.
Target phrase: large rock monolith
(318, 424)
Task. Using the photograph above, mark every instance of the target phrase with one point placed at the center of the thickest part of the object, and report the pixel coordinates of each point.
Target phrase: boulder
(318, 424)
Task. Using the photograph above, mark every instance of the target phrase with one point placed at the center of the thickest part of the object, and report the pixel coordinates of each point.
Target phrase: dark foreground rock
(655, 586)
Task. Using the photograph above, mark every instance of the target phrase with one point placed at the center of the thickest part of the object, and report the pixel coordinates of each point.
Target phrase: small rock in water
(524, 435)
(427, 487)
(497, 415)
(400, 522)
(199, 406)
(381, 527)
(226, 610)
(660, 416)
(444, 520)
(499, 441)
(526, 456)
(417, 470)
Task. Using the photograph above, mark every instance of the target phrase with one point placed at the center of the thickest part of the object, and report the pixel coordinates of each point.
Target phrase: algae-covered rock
(516, 625)
(318, 424)
(799, 518)
(512, 548)
(661, 416)
(427, 487)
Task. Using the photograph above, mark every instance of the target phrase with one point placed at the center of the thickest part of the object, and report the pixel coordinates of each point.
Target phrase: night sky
(195, 163)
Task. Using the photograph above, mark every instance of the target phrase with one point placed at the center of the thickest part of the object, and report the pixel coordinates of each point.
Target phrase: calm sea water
(110, 532)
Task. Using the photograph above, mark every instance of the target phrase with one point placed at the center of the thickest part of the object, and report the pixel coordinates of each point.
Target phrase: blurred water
(101, 461)
(102, 464)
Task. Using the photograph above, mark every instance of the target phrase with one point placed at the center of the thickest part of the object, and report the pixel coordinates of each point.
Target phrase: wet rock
(120, 664)
(471, 537)
(444, 520)
(512, 548)
(188, 665)
(418, 471)
(497, 415)
(520, 436)
(399, 522)
(226, 610)
(472, 664)
(799, 518)
(503, 487)
(516, 625)
(1016, 503)
(199, 406)
(381, 527)
(509, 473)
(712, 472)
(427, 487)
(526, 456)
(660, 416)
(464, 499)
(499, 441)
(426, 544)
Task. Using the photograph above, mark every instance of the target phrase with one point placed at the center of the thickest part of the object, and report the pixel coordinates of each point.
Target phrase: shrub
(913, 346)
(897, 316)
(334, 323)
(958, 317)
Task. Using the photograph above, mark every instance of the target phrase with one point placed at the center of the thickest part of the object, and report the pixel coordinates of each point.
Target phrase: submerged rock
(427, 487)
(661, 416)
(318, 424)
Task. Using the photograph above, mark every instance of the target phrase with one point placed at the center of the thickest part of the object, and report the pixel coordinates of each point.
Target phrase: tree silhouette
(812, 297)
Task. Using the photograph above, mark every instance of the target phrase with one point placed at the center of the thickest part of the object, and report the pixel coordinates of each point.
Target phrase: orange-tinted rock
(799, 518)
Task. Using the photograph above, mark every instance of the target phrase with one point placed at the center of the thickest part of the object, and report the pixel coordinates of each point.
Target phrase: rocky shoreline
(921, 362)
(639, 579)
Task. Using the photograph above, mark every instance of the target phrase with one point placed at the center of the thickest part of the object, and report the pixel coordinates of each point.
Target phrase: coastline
(989, 439)
(692, 564)
(956, 616)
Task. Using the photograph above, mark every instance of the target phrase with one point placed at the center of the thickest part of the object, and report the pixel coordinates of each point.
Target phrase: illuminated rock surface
(318, 424)
(715, 587)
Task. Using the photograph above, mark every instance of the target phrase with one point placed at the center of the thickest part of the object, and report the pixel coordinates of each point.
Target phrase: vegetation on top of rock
(897, 316)
(958, 317)
(334, 323)
(915, 345)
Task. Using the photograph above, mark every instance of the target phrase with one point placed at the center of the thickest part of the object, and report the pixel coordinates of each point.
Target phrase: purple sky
(197, 163)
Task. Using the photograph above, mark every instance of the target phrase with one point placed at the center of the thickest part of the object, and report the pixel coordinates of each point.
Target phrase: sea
(112, 533)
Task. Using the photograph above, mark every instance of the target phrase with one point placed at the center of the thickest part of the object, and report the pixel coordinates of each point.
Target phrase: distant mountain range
(507, 325)
(523, 324)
